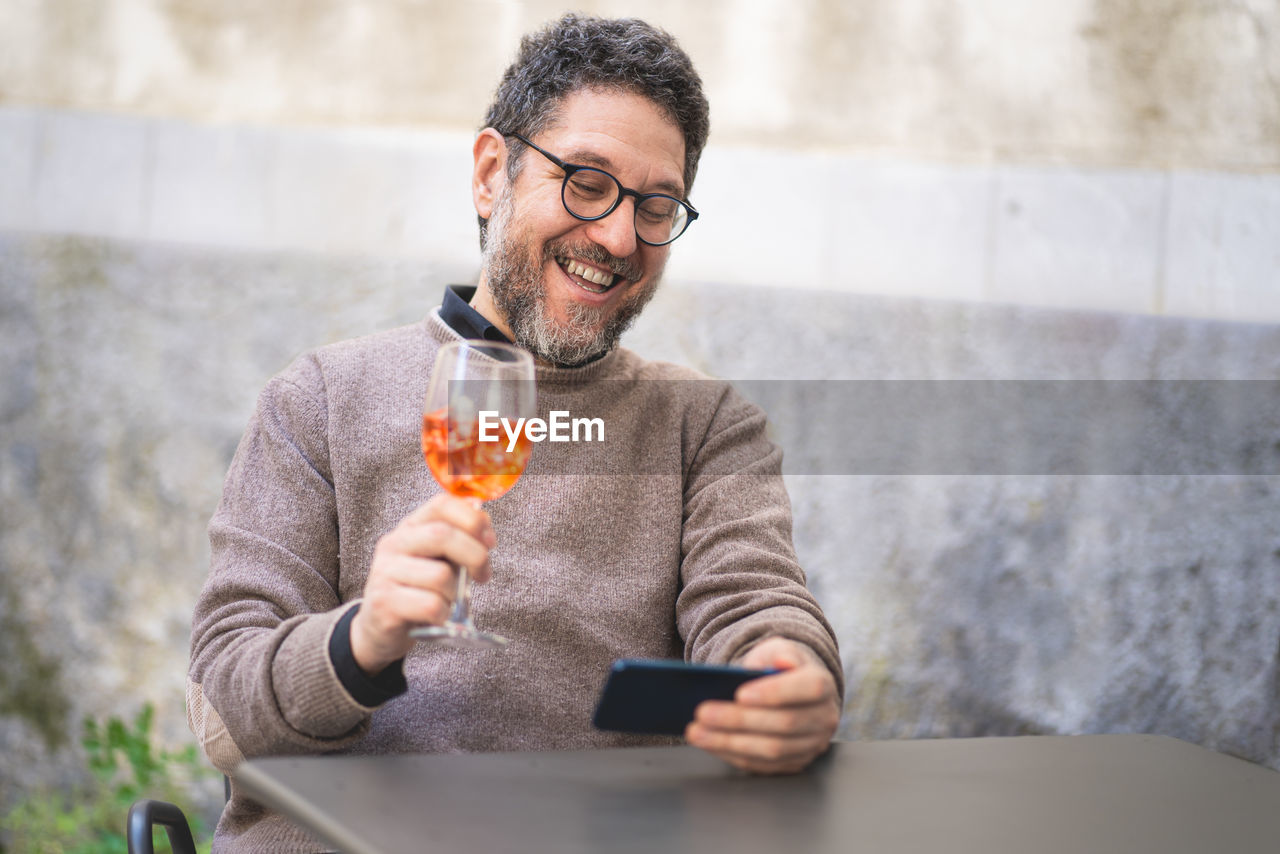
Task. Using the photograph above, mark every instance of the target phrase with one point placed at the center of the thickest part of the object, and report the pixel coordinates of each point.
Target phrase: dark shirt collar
(457, 312)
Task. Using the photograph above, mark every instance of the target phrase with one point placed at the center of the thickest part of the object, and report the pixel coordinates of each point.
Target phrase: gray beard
(514, 278)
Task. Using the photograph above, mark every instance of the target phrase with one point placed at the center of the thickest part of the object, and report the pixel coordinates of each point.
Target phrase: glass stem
(462, 601)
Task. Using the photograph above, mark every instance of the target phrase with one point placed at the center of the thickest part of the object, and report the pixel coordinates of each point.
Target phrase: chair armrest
(145, 814)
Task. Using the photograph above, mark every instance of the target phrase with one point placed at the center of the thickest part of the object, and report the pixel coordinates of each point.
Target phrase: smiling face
(560, 287)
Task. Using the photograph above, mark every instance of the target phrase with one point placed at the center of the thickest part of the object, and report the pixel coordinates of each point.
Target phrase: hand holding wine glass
(412, 578)
(415, 577)
(472, 380)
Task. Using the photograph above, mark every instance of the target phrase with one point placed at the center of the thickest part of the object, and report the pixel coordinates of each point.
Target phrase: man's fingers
(755, 752)
(405, 583)
(463, 513)
(413, 578)
(816, 719)
(800, 686)
(402, 571)
(776, 653)
(379, 632)
(440, 540)
(754, 765)
(776, 724)
(416, 607)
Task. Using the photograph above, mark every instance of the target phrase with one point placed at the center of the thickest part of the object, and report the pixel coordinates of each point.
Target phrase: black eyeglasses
(589, 194)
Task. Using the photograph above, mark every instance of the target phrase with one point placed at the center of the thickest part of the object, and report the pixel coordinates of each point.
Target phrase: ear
(488, 174)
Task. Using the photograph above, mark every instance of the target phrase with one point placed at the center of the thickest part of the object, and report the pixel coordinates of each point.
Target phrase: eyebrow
(582, 157)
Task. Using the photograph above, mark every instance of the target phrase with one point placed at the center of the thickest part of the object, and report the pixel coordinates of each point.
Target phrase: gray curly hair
(580, 51)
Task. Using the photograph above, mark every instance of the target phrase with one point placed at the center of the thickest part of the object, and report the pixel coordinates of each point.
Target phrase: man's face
(567, 289)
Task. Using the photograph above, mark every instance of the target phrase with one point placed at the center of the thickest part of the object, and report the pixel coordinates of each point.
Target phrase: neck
(482, 301)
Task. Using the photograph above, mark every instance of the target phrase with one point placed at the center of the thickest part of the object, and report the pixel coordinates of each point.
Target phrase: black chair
(144, 815)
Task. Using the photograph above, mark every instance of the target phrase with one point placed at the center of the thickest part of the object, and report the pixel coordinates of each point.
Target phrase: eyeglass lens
(591, 193)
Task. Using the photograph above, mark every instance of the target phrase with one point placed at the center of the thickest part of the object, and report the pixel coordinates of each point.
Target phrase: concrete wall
(1107, 154)
(1134, 240)
(1148, 83)
(1083, 601)
(193, 192)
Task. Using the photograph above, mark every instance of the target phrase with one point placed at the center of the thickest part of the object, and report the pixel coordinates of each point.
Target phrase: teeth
(596, 277)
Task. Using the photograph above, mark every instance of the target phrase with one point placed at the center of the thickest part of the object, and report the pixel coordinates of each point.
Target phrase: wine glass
(478, 393)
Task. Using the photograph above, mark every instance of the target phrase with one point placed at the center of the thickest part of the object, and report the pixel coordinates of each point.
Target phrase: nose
(616, 233)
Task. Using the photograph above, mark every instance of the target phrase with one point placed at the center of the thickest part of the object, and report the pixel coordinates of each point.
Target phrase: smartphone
(659, 696)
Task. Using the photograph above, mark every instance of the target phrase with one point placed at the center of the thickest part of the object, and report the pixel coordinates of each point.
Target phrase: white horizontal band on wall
(1201, 244)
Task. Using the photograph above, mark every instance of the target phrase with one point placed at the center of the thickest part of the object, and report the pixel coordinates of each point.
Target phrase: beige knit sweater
(670, 539)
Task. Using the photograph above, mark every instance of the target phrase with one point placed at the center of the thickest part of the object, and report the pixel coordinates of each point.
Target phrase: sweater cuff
(369, 691)
(311, 697)
(784, 622)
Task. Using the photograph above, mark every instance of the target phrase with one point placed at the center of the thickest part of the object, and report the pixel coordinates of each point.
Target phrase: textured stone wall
(965, 605)
(192, 192)
(1043, 603)
(129, 373)
(1151, 83)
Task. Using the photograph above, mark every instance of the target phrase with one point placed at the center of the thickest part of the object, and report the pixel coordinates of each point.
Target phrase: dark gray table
(1103, 793)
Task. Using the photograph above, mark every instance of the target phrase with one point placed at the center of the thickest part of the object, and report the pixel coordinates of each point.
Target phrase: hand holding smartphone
(659, 696)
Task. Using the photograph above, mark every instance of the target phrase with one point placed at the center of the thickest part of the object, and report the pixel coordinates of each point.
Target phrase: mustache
(598, 256)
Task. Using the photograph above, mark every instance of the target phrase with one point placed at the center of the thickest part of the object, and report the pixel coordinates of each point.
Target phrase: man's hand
(412, 579)
(776, 724)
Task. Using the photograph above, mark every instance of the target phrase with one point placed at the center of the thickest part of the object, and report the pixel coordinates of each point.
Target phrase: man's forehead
(585, 156)
(619, 131)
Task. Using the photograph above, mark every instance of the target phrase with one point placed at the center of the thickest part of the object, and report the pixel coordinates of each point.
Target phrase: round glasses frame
(571, 169)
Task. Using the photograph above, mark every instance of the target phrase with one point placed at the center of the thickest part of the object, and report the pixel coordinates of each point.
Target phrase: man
(332, 542)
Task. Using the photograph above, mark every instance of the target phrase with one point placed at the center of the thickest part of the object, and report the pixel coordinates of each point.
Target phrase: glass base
(458, 635)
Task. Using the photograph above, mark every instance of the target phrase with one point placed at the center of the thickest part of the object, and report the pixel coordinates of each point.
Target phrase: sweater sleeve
(740, 580)
(261, 679)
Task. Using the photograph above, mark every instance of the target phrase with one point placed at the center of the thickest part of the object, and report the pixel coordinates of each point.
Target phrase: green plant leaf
(124, 765)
